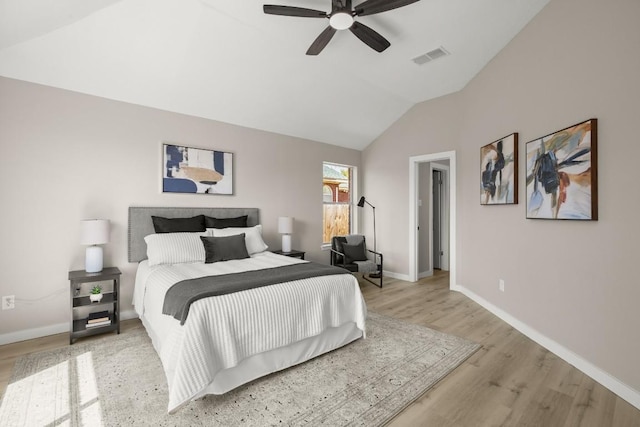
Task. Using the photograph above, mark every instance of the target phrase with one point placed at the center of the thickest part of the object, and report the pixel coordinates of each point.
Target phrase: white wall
(69, 156)
(429, 127)
(574, 283)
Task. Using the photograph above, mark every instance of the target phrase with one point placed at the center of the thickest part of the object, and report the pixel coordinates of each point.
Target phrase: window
(327, 194)
(336, 197)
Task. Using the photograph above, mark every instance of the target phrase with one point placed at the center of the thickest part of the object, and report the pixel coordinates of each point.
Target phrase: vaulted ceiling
(226, 60)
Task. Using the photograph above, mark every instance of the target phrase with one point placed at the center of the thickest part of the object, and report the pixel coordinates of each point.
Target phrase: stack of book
(99, 318)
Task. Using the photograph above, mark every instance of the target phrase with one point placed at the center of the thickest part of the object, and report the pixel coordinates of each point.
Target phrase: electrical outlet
(9, 302)
(501, 285)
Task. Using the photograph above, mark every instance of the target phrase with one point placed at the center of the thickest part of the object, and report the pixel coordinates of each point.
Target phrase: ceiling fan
(341, 18)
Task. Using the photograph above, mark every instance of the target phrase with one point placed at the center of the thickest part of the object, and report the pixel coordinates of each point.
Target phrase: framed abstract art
(499, 172)
(562, 174)
(196, 170)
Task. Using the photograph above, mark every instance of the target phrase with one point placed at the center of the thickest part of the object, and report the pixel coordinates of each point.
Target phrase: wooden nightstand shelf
(110, 302)
(294, 253)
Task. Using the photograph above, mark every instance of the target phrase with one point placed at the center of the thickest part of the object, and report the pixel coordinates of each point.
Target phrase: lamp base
(286, 243)
(93, 259)
(375, 275)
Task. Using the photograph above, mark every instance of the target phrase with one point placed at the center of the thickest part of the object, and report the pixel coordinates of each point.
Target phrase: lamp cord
(43, 298)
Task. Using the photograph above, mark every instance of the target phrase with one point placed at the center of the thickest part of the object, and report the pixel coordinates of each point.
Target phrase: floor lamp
(361, 203)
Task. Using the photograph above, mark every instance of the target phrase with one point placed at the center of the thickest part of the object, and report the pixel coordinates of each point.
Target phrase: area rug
(118, 380)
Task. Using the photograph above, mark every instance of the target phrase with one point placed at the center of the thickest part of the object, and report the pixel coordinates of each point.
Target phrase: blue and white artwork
(196, 170)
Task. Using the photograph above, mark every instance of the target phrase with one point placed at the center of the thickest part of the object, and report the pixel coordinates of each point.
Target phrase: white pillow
(252, 236)
(174, 248)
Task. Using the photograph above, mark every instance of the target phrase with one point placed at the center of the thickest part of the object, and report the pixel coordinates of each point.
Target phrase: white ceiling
(226, 60)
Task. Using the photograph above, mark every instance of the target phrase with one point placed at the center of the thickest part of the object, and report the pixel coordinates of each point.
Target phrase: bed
(231, 339)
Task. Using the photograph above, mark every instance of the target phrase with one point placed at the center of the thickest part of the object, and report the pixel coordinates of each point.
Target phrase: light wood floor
(510, 381)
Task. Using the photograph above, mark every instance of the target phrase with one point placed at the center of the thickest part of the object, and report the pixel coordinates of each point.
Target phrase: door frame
(414, 162)
(444, 217)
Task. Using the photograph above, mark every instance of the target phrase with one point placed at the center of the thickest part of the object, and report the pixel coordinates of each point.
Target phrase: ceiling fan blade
(371, 38)
(371, 7)
(293, 11)
(323, 39)
(340, 5)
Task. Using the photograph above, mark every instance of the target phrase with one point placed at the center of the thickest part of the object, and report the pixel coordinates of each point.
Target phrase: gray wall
(573, 282)
(69, 156)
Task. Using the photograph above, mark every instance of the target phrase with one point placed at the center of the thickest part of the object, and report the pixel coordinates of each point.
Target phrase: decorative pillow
(253, 237)
(354, 252)
(211, 222)
(178, 225)
(174, 248)
(224, 248)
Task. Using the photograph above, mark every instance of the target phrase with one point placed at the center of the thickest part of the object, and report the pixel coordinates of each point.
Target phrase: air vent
(431, 56)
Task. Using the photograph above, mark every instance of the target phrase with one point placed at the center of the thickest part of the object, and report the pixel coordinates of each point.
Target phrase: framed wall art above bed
(196, 170)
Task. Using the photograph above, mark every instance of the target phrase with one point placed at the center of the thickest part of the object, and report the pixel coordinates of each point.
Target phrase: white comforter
(222, 331)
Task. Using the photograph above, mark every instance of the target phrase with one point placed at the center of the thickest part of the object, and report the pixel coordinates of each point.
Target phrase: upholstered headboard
(140, 224)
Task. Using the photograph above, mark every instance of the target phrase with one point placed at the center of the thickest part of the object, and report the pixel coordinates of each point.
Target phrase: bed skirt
(262, 364)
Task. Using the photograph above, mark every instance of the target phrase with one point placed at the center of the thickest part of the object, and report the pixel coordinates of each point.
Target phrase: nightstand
(110, 302)
(293, 254)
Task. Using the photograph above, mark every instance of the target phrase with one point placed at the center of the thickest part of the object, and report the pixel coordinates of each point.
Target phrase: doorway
(439, 219)
(447, 218)
(436, 214)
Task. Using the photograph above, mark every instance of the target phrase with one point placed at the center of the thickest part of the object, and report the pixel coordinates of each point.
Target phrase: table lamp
(285, 227)
(94, 232)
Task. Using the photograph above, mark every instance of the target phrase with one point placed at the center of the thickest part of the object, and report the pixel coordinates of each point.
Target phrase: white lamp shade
(285, 225)
(94, 232)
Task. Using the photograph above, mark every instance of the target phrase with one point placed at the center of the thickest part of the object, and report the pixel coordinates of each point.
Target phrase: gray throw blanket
(181, 295)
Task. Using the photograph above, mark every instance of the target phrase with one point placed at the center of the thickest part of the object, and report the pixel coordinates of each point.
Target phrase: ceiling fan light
(341, 20)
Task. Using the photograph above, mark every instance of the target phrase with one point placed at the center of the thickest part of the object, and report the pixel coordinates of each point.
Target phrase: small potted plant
(96, 293)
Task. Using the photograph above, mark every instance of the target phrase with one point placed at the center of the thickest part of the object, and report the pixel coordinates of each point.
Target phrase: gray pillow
(224, 248)
(178, 225)
(354, 252)
(212, 222)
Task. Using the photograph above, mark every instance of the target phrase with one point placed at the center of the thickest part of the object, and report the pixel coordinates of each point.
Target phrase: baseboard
(609, 381)
(424, 274)
(398, 276)
(29, 334)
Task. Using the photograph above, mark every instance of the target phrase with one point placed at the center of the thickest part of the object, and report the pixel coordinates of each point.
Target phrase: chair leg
(368, 279)
(377, 274)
